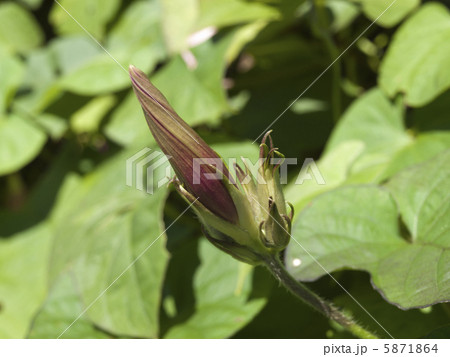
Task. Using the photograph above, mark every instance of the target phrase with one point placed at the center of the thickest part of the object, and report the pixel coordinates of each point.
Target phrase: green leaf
(54, 125)
(10, 79)
(222, 13)
(89, 70)
(87, 119)
(138, 34)
(127, 125)
(416, 62)
(71, 16)
(40, 79)
(182, 18)
(178, 19)
(23, 279)
(344, 13)
(19, 31)
(102, 228)
(386, 12)
(61, 308)
(423, 148)
(357, 228)
(340, 229)
(360, 149)
(33, 4)
(221, 288)
(20, 142)
(101, 75)
(204, 100)
(333, 167)
(375, 122)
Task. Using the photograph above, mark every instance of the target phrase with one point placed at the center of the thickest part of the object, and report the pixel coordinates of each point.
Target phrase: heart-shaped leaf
(358, 228)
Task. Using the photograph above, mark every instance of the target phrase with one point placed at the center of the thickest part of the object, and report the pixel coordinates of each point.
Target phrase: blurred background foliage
(376, 121)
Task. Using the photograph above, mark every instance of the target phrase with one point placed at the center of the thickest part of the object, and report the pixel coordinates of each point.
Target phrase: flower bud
(244, 216)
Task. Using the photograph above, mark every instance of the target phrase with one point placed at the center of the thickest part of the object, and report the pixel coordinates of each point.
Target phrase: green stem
(303, 293)
(324, 32)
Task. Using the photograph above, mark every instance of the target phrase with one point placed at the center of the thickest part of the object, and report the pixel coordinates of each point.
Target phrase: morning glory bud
(243, 215)
(182, 145)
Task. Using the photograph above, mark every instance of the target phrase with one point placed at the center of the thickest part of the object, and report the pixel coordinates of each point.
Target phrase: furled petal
(182, 145)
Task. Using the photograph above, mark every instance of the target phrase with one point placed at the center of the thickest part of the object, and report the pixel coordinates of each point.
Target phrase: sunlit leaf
(62, 307)
(111, 237)
(23, 279)
(19, 31)
(73, 16)
(387, 13)
(340, 230)
(416, 62)
(20, 142)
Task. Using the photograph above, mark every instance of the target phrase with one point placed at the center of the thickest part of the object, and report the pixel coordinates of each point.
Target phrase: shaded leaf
(221, 288)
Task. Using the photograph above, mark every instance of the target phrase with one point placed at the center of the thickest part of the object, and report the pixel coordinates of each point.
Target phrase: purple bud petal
(182, 144)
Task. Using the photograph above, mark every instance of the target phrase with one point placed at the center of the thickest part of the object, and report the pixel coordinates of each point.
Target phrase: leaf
(87, 119)
(23, 279)
(138, 35)
(180, 19)
(61, 308)
(93, 15)
(54, 125)
(423, 148)
(386, 12)
(222, 13)
(357, 228)
(101, 75)
(136, 39)
(375, 122)
(10, 79)
(40, 81)
(333, 167)
(102, 228)
(344, 13)
(127, 125)
(20, 142)
(360, 148)
(416, 61)
(33, 4)
(221, 288)
(204, 100)
(19, 31)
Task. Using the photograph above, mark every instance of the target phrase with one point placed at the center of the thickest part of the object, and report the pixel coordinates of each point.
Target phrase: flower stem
(278, 270)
